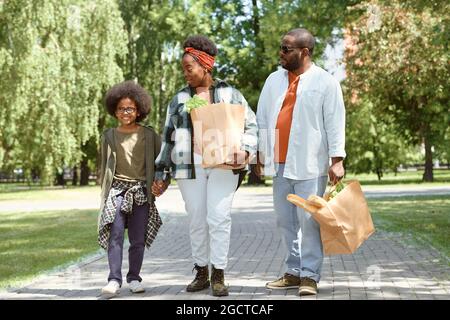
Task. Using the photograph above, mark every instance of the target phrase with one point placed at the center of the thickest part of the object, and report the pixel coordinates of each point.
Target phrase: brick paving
(387, 266)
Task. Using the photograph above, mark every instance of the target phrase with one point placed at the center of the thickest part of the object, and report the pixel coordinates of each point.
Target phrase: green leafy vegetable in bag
(194, 102)
(339, 187)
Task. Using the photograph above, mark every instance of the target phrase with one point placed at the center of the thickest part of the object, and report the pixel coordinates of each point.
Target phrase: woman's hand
(258, 169)
(239, 158)
(159, 187)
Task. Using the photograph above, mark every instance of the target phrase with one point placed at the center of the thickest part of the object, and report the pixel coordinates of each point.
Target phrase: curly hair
(202, 43)
(131, 90)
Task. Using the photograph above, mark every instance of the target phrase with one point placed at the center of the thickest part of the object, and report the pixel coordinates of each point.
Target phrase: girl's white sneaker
(136, 287)
(113, 287)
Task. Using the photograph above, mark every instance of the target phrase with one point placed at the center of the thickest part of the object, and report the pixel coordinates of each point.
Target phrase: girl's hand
(159, 187)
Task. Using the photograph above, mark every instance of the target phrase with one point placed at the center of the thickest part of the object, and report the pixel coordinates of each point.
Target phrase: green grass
(441, 177)
(49, 193)
(409, 179)
(426, 218)
(33, 242)
(9, 187)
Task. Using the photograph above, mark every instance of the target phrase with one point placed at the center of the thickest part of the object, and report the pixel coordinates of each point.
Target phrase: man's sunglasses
(286, 49)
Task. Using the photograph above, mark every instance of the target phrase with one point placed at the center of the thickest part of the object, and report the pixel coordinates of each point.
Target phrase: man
(301, 118)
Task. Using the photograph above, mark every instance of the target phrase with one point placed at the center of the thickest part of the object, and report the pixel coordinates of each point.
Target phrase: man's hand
(239, 158)
(336, 171)
(159, 187)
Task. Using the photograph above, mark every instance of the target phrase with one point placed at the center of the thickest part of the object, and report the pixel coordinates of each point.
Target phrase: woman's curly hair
(128, 89)
(202, 43)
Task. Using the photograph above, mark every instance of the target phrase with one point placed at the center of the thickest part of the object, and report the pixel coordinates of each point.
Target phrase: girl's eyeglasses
(126, 110)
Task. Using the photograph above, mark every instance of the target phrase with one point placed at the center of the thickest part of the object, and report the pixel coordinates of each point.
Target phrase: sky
(333, 57)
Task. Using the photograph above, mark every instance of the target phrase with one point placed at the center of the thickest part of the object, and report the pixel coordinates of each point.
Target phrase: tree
(372, 142)
(397, 58)
(249, 39)
(249, 35)
(155, 31)
(56, 59)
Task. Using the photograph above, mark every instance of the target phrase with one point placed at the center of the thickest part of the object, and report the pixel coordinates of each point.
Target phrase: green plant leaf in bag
(194, 102)
(339, 187)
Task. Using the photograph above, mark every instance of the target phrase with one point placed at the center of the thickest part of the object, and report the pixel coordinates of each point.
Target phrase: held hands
(336, 171)
(159, 187)
(239, 158)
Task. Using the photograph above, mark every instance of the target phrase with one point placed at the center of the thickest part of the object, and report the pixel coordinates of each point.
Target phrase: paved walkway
(68, 199)
(385, 267)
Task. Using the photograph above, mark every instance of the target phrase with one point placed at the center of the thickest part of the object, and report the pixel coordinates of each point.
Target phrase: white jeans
(208, 200)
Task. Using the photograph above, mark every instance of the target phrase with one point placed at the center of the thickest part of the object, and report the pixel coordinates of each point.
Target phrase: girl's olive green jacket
(108, 161)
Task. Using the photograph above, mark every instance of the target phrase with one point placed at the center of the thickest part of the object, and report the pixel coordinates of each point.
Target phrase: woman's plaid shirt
(176, 157)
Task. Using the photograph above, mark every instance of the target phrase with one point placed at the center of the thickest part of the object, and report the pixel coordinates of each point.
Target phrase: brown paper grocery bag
(218, 130)
(345, 221)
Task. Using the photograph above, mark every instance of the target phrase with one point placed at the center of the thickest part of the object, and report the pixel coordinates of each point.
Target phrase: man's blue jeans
(300, 232)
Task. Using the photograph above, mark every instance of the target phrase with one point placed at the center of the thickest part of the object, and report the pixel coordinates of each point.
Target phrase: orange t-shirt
(284, 121)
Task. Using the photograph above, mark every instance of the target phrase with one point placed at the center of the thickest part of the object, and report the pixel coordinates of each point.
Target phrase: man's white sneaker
(113, 287)
(136, 287)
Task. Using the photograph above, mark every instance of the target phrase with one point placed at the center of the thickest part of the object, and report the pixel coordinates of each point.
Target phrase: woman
(207, 193)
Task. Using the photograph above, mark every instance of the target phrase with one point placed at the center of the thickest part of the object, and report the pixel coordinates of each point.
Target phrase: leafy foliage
(397, 58)
(54, 73)
(58, 58)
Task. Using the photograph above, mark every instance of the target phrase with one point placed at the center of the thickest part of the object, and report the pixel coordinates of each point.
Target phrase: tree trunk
(378, 162)
(74, 176)
(428, 174)
(35, 175)
(254, 179)
(84, 172)
(379, 174)
(255, 19)
(259, 43)
(60, 179)
(98, 160)
(98, 163)
(161, 118)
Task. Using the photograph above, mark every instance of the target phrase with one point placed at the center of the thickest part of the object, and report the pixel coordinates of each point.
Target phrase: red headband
(202, 57)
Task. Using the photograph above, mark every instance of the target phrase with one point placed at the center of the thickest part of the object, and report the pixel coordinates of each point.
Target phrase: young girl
(128, 155)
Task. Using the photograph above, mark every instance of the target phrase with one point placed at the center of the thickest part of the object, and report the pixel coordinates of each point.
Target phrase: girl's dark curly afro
(202, 43)
(128, 89)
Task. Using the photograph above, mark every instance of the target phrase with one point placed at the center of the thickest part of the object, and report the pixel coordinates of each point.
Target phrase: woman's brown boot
(201, 280)
(219, 289)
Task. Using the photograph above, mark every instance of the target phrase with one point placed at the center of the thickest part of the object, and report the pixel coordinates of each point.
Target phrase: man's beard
(293, 65)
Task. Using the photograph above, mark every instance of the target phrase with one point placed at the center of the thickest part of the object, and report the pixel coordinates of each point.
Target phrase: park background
(58, 59)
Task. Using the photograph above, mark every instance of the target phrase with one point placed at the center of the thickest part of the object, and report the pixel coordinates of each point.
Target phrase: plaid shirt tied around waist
(134, 194)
